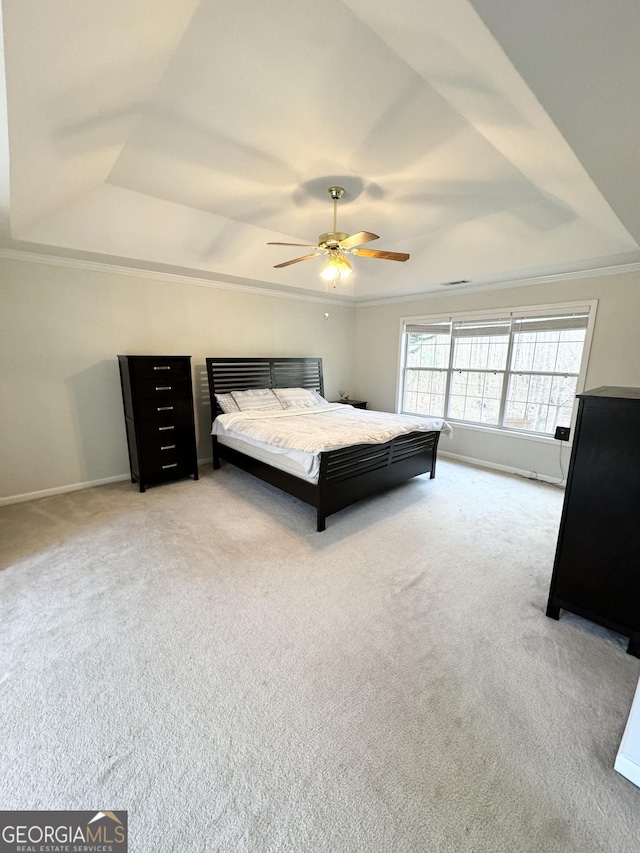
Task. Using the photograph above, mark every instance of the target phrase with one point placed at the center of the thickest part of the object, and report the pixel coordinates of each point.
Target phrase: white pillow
(227, 403)
(299, 398)
(256, 399)
(320, 400)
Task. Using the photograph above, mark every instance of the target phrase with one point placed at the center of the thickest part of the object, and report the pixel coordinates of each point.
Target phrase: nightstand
(357, 404)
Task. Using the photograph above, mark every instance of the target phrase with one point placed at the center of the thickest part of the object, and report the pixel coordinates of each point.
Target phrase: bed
(342, 476)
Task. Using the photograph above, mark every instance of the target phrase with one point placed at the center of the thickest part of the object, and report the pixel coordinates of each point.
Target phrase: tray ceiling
(184, 135)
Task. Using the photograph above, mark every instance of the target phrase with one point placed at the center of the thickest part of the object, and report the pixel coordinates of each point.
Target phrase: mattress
(292, 440)
(320, 428)
(300, 464)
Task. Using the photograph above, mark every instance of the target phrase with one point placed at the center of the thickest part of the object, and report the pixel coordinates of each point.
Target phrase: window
(519, 371)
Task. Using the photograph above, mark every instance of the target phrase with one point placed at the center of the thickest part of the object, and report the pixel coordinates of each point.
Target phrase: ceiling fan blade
(380, 253)
(290, 244)
(294, 261)
(358, 239)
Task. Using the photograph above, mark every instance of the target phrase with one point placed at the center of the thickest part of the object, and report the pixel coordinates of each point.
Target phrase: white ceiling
(492, 139)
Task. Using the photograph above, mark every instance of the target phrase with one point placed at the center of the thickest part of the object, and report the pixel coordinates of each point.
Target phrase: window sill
(511, 433)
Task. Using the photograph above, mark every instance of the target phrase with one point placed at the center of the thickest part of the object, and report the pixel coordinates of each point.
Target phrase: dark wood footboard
(352, 473)
(349, 474)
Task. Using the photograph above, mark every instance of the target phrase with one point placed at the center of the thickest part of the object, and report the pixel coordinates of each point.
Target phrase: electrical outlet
(562, 433)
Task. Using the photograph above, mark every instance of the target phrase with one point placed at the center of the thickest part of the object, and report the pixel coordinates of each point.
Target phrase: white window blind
(518, 371)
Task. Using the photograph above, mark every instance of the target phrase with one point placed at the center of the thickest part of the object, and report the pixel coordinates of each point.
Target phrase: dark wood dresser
(158, 410)
(597, 565)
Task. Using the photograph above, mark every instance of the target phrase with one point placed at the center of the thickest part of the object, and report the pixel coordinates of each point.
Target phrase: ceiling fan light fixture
(330, 272)
(337, 268)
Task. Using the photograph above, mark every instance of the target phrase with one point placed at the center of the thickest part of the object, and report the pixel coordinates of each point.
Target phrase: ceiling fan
(336, 245)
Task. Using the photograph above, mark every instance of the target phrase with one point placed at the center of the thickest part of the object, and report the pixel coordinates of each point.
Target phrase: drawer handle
(164, 408)
(164, 367)
(173, 465)
(168, 447)
(163, 387)
(162, 429)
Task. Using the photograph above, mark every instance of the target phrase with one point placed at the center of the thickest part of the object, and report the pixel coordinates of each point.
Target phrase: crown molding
(175, 278)
(592, 272)
(326, 299)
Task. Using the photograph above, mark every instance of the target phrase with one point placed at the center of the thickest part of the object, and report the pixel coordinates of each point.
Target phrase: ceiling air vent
(451, 283)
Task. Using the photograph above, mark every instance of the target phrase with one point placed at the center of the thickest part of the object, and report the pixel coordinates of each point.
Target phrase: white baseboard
(628, 759)
(73, 487)
(89, 484)
(59, 490)
(482, 463)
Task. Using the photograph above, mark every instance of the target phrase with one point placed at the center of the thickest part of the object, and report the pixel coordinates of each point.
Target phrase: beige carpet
(200, 656)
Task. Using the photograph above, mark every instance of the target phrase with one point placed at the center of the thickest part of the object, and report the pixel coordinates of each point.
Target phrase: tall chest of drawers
(158, 410)
(597, 567)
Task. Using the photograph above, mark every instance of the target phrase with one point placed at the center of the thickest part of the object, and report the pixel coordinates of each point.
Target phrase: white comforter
(321, 428)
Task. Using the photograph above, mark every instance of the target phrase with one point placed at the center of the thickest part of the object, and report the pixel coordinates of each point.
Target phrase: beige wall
(62, 328)
(615, 357)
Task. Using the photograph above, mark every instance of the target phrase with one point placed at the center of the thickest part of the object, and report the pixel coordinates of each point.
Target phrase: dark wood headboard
(240, 374)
